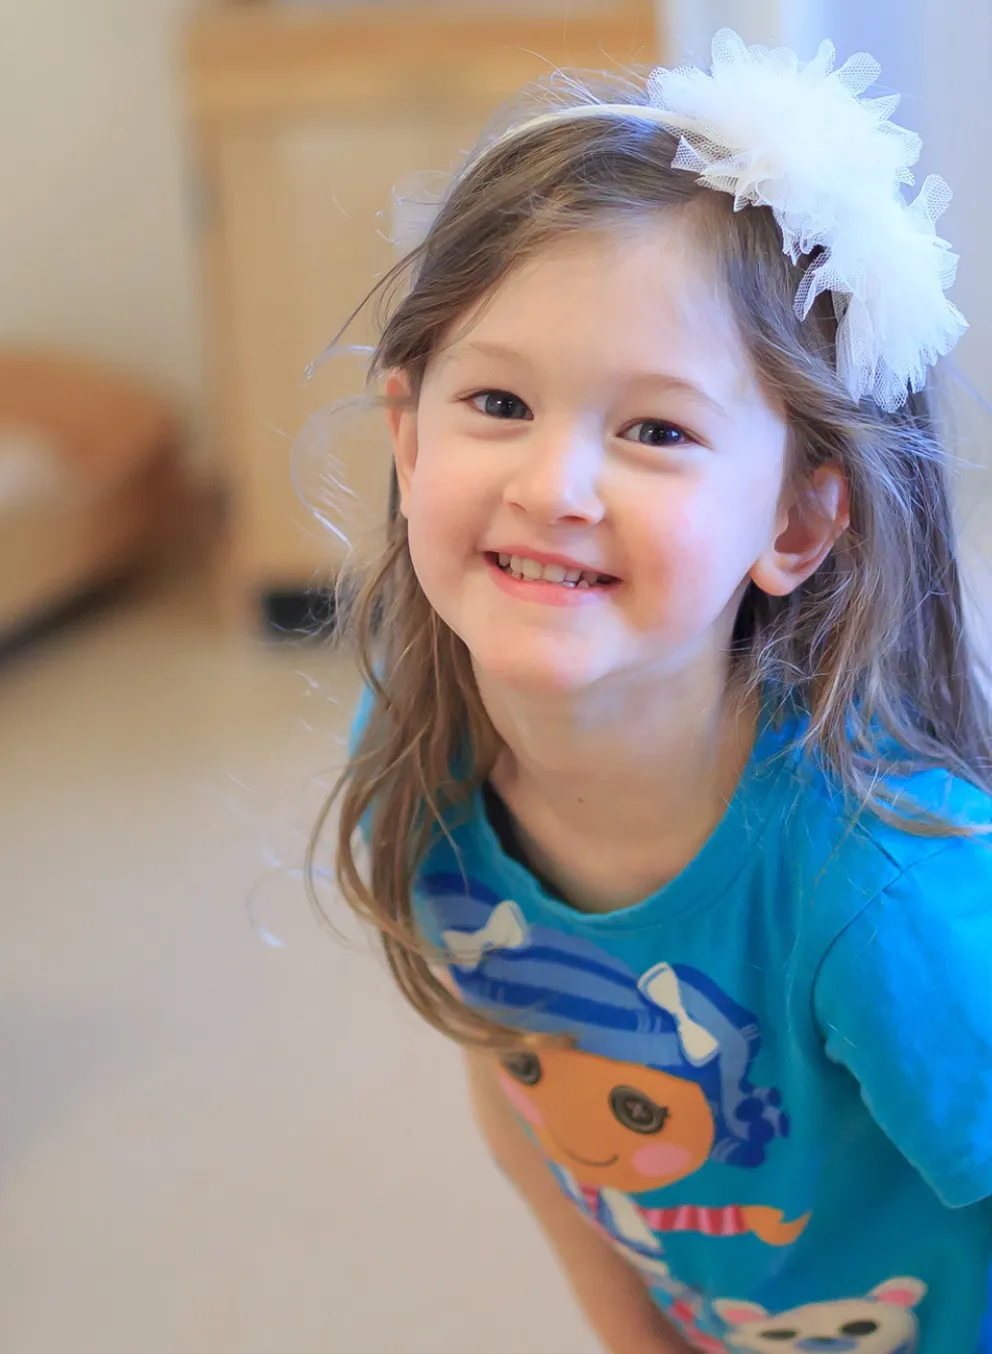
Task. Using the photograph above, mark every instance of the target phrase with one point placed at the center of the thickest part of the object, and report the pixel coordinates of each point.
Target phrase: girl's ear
(401, 418)
(809, 523)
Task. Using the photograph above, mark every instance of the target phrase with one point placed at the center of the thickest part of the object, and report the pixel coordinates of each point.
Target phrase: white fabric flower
(831, 166)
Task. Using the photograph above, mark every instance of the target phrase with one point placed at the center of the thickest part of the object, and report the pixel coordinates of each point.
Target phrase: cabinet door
(306, 223)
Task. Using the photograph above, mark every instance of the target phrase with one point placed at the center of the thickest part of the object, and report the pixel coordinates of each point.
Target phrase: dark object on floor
(298, 615)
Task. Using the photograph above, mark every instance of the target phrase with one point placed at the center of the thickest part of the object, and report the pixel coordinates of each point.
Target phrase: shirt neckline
(704, 879)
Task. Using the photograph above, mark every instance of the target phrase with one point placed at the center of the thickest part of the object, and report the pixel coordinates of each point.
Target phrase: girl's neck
(614, 792)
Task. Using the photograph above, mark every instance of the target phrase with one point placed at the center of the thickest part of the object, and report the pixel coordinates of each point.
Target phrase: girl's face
(592, 473)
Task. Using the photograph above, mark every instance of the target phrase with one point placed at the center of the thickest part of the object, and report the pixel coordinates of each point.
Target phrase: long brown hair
(873, 646)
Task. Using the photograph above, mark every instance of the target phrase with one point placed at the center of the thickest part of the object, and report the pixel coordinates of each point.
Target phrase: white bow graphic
(506, 929)
(661, 986)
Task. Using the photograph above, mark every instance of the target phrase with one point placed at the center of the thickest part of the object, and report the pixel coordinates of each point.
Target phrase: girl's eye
(636, 1111)
(524, 1067)
(781, 1334)
(500, 404)
(859, 1328)
(654, 432)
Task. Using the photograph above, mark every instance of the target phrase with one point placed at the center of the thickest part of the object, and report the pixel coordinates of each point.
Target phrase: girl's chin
(536, 674)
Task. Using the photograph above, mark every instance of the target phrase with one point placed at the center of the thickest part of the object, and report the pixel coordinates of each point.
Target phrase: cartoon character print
(881, 1323)
(655, 1087)
(685, 1313)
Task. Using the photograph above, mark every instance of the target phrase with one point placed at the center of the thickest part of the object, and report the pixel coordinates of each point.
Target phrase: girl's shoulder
(918, 826)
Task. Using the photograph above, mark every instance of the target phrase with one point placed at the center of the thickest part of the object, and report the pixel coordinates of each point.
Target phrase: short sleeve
(366, 703)
(425, 920)
(904, 1001)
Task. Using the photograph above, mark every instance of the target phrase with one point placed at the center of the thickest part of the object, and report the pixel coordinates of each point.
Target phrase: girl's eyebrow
(479, 348)
(502, 352)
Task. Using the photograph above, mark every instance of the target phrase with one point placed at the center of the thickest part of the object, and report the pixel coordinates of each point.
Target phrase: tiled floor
(209, 1145)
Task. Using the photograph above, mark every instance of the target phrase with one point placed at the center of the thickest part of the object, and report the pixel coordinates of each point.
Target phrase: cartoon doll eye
(524, 1067)
(859, 1328)
(783, 1334)
(636, 1111)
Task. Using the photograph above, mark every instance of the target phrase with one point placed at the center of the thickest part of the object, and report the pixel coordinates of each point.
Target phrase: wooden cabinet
(305, 120)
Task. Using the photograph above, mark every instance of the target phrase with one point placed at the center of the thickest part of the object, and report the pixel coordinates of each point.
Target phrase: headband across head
(830, 165)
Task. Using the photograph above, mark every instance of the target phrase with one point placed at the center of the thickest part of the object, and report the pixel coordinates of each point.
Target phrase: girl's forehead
(637, 299)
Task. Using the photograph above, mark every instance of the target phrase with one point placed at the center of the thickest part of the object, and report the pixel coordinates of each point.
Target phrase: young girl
(673, 762)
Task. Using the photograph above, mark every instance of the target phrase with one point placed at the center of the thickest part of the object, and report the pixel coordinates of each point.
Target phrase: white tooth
(582, 583)
(554, 573)
(531, 569)
(572, 575)
(589, 577)
(504, 561)
(516, 564)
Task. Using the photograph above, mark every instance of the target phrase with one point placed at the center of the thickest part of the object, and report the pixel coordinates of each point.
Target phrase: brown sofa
(111, 488)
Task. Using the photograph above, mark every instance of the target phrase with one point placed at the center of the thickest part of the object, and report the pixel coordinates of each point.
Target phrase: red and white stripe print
(727, 1220)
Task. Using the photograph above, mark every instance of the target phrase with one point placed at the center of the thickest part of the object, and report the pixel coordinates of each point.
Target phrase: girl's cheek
(661, 1159)
(520, 1101)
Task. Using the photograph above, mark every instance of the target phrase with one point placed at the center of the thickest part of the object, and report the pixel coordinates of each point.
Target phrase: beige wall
(94, 247)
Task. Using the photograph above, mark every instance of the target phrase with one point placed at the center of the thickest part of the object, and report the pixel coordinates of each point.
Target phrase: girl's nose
(558, 478)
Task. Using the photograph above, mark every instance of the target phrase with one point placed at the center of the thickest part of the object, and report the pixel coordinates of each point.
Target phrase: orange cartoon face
(611, 1124)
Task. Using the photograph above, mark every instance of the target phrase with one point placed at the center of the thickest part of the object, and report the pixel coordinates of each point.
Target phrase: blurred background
(219, 1130)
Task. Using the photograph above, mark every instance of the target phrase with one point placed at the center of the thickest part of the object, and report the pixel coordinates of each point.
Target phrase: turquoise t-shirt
(778, 1105)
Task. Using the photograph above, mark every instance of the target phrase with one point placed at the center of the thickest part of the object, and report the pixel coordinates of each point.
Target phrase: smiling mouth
(531, 571)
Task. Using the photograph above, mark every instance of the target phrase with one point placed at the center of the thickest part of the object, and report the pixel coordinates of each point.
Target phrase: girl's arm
(612, 1295)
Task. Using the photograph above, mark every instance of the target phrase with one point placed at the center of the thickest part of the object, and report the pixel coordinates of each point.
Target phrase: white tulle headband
(797, 139)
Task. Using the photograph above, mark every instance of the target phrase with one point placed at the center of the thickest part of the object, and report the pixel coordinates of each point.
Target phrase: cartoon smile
(584, 1161)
